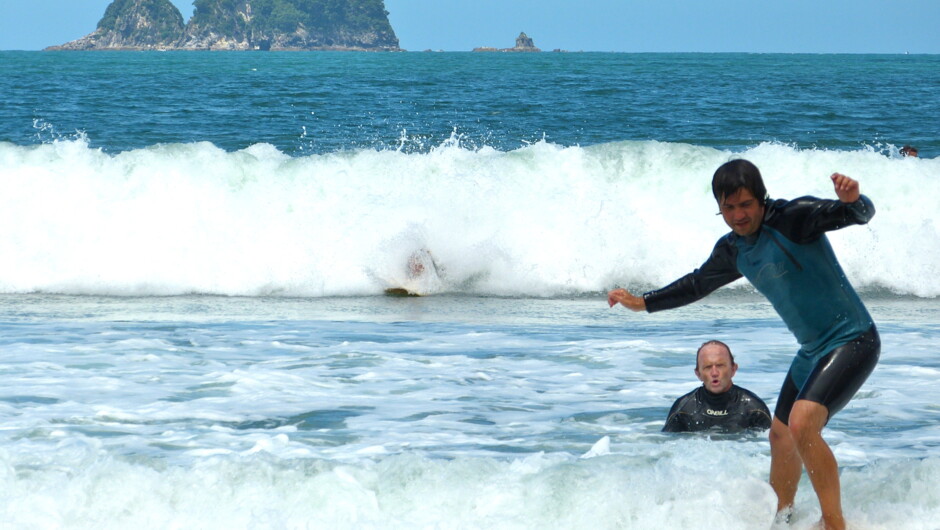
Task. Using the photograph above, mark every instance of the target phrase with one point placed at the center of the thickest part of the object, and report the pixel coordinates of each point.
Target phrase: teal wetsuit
(789, 260)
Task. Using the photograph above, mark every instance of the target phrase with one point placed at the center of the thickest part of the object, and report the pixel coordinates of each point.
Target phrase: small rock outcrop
(524, 43)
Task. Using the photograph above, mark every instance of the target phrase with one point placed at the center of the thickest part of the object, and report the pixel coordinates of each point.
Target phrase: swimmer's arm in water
(627, 299)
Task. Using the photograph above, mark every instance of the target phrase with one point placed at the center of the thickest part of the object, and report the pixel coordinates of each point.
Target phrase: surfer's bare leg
(785, 465)
(807, 420)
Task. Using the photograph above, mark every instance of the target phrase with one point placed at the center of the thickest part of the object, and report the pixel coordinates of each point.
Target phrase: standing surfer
(781, 247)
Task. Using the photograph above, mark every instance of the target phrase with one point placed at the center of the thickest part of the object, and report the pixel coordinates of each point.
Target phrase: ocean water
(194, 331)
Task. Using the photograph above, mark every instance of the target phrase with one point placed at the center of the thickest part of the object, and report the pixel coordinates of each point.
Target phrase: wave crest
(542, 220)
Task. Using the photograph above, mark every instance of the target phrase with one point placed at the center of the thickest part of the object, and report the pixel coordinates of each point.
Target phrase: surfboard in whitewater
(400, 291)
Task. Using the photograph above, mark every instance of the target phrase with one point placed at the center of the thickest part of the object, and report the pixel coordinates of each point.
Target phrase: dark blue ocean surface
(314, 102)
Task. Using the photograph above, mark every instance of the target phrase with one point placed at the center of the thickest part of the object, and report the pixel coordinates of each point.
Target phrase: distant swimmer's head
(420, 262)
(715, 366)
(739, 189)
(416, 266)
(908, 150)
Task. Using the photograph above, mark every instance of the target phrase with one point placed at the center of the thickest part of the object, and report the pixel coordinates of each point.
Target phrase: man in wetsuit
(717, 405)
(781, 247)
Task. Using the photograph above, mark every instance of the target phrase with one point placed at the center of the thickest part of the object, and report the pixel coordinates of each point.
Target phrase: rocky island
(524, 43)
(242, 25)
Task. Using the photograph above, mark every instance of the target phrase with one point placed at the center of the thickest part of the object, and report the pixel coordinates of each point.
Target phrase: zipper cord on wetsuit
(785, 251)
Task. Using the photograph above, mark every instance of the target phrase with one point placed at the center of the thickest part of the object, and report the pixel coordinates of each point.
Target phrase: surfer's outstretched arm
(627, 299)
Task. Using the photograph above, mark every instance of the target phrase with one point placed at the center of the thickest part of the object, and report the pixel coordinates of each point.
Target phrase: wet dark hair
(716, 343)
(909, 150)
(734, 175)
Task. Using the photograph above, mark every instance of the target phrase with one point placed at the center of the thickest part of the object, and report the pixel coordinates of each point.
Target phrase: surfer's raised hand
(625, 298)
(847, 188)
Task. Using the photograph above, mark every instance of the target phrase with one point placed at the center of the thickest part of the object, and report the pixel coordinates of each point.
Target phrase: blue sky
(789, 26)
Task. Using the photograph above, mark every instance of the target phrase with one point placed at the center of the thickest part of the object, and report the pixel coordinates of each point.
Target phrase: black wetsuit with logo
(736, 410)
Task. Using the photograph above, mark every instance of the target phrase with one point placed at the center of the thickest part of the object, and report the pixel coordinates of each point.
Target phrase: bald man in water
(718, 404)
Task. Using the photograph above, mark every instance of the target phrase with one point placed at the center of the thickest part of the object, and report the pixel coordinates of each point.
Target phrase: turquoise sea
(195, 248)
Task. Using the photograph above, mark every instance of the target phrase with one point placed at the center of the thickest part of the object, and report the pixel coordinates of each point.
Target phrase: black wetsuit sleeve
(674, 421)
(760, 419)
(718, 270)
(758, 415)
(806, 218)
(674, 424)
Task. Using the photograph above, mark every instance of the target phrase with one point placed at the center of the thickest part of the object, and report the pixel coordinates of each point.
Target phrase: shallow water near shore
(459, 411)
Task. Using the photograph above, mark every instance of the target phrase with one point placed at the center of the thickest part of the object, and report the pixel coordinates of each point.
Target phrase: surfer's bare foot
(782, 519)
(820, 525)
(831, 523)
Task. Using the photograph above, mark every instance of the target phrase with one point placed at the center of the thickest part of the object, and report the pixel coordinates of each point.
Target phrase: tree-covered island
(242, 25)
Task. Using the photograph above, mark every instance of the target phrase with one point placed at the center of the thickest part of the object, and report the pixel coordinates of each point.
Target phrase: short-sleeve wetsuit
(736, 410)
(789, 260)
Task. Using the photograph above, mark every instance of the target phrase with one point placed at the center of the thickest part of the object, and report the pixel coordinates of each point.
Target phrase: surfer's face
(715, 368)
(742, 212)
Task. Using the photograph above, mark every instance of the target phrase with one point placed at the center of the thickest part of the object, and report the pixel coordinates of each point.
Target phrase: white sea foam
(217, 412)
(543, 220)
(701, 483)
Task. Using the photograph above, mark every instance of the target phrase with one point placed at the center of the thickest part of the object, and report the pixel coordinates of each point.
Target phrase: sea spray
(543, 220)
